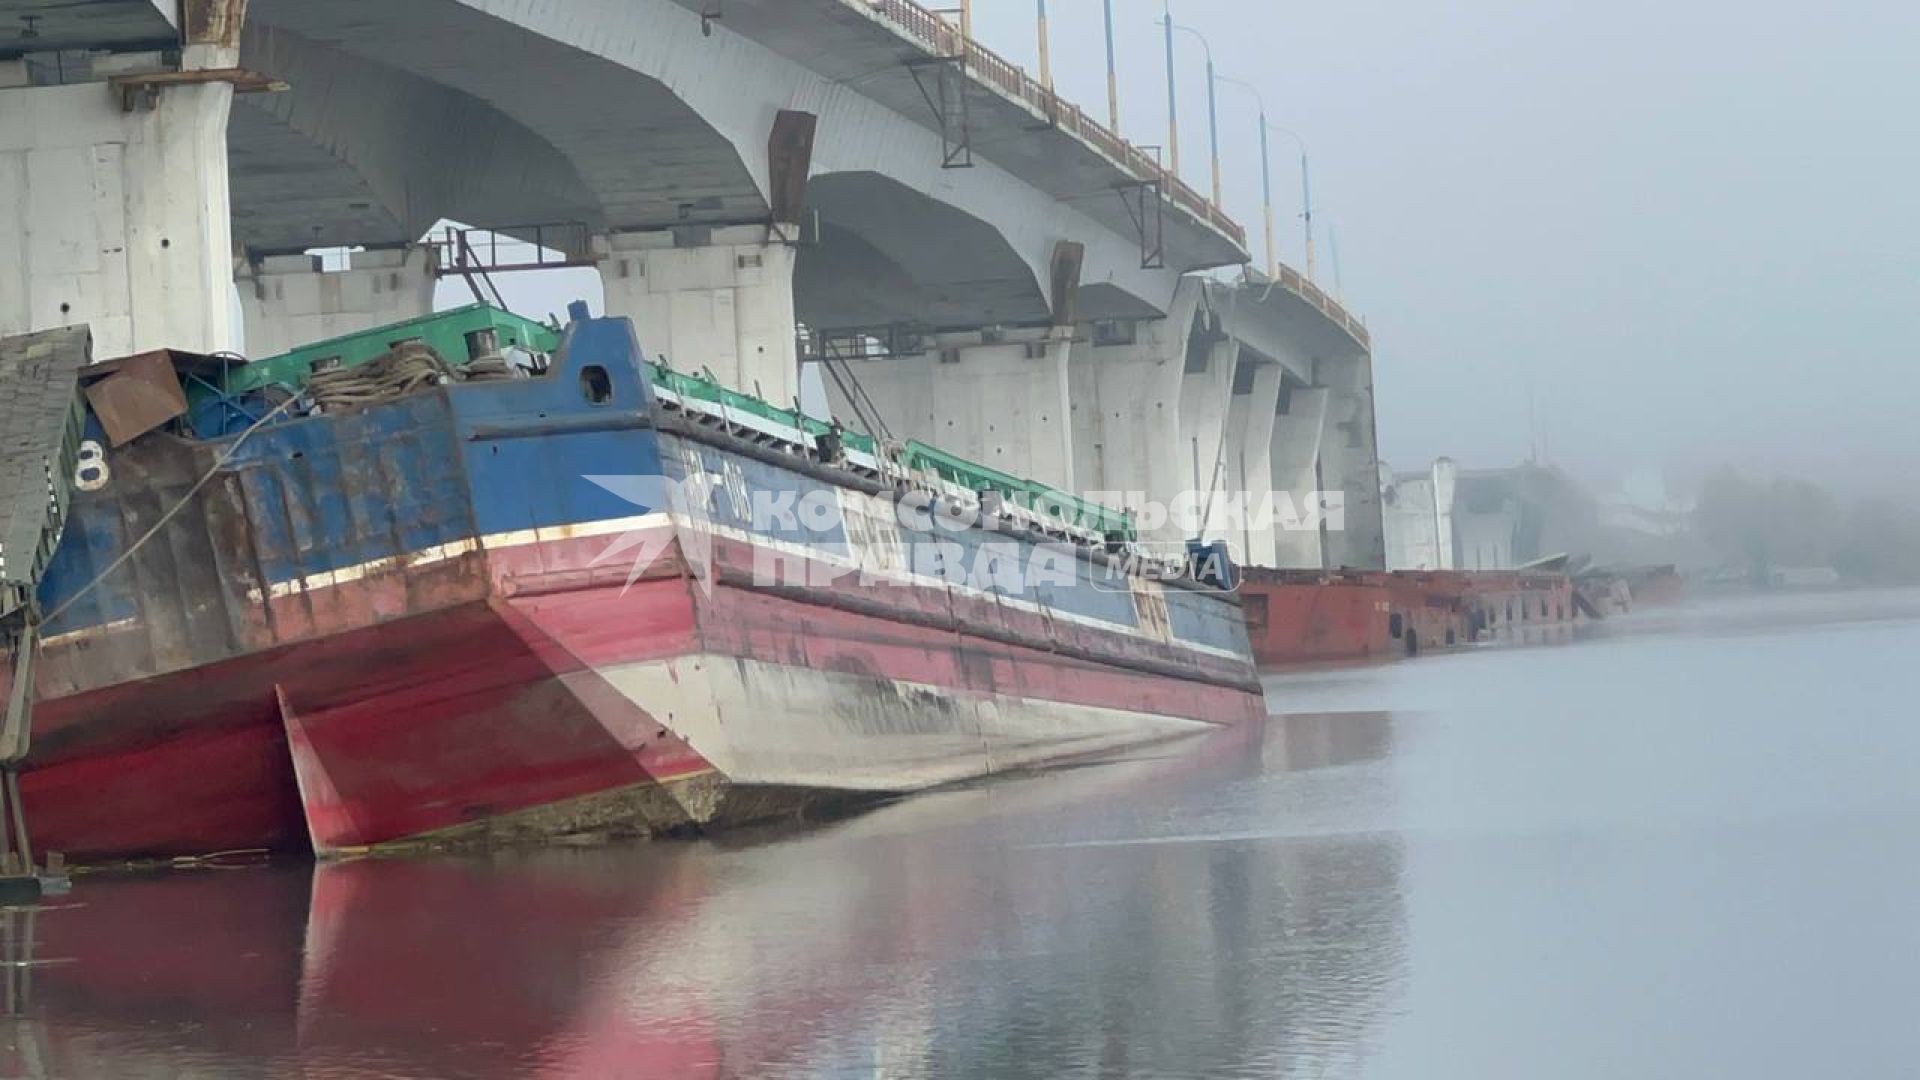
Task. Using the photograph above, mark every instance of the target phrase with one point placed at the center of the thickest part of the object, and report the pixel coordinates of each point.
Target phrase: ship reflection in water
(1645, 855)
(1161, 914)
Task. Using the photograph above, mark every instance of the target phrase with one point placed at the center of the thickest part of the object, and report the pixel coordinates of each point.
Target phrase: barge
(524, 588)
(1297, 618)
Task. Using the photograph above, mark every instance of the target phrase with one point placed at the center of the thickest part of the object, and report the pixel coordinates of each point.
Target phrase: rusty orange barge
(1299, 617)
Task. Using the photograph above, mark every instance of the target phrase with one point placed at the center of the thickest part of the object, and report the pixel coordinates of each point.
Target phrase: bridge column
(1150, 422)
(1001, 403)
(1250, 420)
(1350, 463)
(288, 300)
(114, 212)
(1324, 442)
(1299, 425)
(719, 299)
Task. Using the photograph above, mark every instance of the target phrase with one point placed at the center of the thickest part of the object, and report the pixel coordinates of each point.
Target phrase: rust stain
(213, 22)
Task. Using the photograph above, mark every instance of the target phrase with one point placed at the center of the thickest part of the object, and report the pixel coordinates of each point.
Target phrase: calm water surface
(1685, 849)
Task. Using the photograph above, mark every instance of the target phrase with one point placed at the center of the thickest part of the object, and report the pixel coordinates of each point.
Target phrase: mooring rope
(410, 366)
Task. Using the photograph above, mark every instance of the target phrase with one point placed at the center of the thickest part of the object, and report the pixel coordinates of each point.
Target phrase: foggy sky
(1690, 226)
(1687, 229)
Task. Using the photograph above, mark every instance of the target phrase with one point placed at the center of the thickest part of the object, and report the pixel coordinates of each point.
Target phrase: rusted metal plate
(790, 157)
(1068, 255)
(139, 394)
(212, 22)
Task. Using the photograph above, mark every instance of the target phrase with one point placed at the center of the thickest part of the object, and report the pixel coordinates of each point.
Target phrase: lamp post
(1046, 64)
(1213, 112)
(1306, 188)
(1173, 94)
(1266, 174)
(1306, 195)
(1113, 76)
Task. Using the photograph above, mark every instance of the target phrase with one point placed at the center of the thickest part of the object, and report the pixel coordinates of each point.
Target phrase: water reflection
(1168, 914)
(1681, 849)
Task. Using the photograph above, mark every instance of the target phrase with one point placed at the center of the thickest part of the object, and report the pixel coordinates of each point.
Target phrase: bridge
(761, 184)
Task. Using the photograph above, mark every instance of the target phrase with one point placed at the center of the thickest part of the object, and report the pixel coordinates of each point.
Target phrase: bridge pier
(1350, 463)
(1150, 421)
(1299, 426)
(1001, 402)
(1323, 447)
(718, 298)
(288, 301)
(1250, 422)
(116, 214)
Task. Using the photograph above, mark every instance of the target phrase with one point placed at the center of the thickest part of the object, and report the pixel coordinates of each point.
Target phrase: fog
(1678, 234)
(1686, 229)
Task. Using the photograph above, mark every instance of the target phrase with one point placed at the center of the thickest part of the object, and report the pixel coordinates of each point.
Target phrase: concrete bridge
(761, 184)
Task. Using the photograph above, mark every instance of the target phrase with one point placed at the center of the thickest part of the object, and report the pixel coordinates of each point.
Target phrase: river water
(1686, 847)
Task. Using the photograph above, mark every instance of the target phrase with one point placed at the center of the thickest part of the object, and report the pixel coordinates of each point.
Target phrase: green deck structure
(450, 333)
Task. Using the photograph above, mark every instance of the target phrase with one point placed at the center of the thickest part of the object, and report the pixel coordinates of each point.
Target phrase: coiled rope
(408, 367)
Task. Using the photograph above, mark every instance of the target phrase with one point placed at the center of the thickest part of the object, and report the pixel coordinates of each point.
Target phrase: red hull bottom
(574, 713)
(791, 705)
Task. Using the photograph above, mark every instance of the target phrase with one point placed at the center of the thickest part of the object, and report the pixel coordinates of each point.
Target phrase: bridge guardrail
(983, 64)
(1297, 283)
(944, 39)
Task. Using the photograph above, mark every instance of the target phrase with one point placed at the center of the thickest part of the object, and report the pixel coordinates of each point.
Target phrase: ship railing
(955, 483)
(881, 465)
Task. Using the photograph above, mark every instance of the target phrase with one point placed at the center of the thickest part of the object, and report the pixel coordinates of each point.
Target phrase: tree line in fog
(1759, 527)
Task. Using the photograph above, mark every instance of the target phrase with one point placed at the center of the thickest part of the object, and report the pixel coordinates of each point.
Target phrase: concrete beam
(364, 152)
(1002, 402)
(288, 301)
(117, 219)
(889, 254)
(710, 100)
(107, 25)
(616, 146)
(714, 299)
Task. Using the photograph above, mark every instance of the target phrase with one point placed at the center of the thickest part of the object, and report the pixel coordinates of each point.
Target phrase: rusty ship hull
(402, 625)
(1298, 618)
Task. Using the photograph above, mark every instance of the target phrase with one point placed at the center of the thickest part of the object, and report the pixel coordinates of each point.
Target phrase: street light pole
(1213, 111)
(1306, 192)
(1046, 64)
(1113, 77)
(1213, 125)
(1306, 202)
(1266, 174)
(1173, 95)
(1212, 106)
(1266, 196)
(1333, 249)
